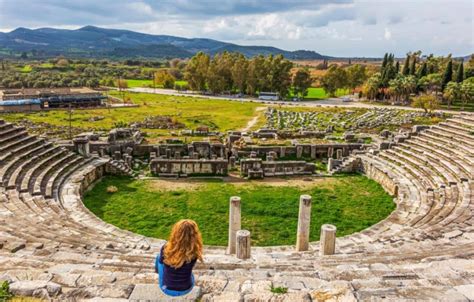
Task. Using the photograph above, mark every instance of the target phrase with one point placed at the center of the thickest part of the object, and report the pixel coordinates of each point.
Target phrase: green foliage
(452, 92)
(448, 75)
(406, 66)
(5, 291)
(270, 213)
(334, 79)
(278, 290)
(302, 82)
(460, 73)
(427, 102)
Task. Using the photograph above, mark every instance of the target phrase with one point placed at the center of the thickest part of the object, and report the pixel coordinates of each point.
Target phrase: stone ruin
(53, 248)
(158, 122)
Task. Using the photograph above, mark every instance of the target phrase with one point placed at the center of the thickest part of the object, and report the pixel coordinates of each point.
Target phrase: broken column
(243, 244)
(339, 154)
(234, 223)
(304, 219)
(117, 155)
(299, 151)
(81, 146)
(327, 241)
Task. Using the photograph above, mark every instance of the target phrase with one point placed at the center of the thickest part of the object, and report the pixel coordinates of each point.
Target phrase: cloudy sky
(332, 27)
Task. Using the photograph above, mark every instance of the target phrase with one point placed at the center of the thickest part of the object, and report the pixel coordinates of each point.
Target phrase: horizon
(346, 28)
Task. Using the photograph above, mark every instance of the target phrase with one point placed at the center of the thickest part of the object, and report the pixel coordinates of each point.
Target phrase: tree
(460, 72)
(372, 85)
(423, 71)
(356, 76)
(402, 86)
(467, 91)
(219, 75)
(406, 69)
(335, 78)
(413, 65)
(197, 71)
(385, 60)
(431, 82)
(427, 102)
(397, 67)
(452, 92)
(239, 72)
(448, 75)
(122, 86)
(164, 78)
(62, 63)
(279, 74)
(301, 82)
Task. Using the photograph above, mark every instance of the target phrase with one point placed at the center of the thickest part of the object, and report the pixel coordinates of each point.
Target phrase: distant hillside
(91, 41)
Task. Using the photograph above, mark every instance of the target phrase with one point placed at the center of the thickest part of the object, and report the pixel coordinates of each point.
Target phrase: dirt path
(188, 184)
(254, 120)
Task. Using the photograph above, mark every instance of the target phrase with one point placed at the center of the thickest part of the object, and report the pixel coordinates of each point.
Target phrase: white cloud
(338, 28)
(387, 34)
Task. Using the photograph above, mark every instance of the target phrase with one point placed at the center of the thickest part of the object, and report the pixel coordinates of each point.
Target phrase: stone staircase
(52, 247)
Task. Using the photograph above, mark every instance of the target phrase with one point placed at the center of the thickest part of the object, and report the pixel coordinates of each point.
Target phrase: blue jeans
(159, 267)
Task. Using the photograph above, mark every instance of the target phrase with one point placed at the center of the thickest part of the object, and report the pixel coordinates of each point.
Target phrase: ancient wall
(299, 151)
(255, 166)
(379, 176)
(171, 167)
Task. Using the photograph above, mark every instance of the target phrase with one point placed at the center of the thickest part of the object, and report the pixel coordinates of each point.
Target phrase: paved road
(330, 102)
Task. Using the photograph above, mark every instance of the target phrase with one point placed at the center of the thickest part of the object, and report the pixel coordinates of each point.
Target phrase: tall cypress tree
(406, 70)
(385, 59)
(423, 71)
(460, 73)
(413, 66)
(397, 67)
(448, 75)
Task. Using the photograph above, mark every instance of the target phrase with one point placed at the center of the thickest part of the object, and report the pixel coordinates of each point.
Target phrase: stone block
(151, 293)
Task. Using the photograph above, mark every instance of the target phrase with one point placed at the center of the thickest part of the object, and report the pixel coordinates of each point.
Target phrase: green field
(193, 112)
(351, 202)
(132, 83)
(318, 93)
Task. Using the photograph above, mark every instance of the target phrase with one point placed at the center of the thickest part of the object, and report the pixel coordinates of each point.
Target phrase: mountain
(91, 41)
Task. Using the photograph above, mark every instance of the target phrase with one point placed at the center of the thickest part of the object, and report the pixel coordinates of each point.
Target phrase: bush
(279, 290)
(5, 291)
(112, 189)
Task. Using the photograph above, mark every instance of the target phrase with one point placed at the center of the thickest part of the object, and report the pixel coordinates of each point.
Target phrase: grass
(132, 83)
(26, 69)
(318, 93)
(193, 112)
(351, 202)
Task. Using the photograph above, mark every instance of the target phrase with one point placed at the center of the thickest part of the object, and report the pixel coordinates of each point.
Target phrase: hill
(91, 41)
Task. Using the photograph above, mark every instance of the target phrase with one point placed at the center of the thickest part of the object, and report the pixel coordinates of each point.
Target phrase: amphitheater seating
(51, 246)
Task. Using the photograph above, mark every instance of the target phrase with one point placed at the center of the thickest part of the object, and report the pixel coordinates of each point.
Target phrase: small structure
(51, 98)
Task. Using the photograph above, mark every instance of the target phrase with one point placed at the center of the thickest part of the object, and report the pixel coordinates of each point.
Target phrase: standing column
(328, 240)
(234, 222)
(304, 219)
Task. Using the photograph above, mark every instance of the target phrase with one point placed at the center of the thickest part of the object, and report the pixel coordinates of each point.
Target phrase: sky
(364, 28)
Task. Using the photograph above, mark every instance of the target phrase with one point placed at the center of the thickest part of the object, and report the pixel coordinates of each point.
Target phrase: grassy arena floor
(151, 207)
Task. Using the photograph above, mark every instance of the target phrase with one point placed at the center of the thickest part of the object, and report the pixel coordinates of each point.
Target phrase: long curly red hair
(184, 244)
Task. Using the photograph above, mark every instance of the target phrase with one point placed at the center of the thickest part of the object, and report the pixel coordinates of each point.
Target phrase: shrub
(279, 290)
(112, 189)
(5, 291)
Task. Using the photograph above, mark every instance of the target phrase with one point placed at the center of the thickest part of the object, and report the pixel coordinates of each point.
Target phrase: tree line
(234, 73)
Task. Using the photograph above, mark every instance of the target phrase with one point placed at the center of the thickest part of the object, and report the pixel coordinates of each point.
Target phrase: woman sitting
(176, 260)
